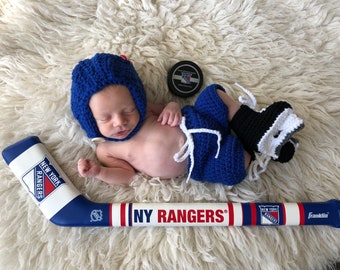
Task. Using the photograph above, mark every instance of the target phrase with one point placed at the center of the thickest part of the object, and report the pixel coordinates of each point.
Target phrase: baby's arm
(113, 171)
(170, 114)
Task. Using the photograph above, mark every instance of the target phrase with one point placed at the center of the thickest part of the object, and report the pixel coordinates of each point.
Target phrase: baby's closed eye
(103, 119)
(130, 110)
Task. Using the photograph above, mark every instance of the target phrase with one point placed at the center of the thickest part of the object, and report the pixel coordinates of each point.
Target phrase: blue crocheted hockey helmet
(92, 75)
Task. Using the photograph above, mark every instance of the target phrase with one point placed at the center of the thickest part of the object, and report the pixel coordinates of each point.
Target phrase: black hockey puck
(185, 79)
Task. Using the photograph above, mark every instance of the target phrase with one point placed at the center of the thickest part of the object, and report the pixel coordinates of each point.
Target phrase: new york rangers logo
(42, 180)
(186, 77)
(270, 215)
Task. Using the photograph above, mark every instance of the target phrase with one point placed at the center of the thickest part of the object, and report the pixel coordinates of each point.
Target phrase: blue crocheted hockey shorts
(210, 112)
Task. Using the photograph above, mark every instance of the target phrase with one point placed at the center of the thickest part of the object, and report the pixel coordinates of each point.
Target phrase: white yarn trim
(249, 100)
(187, 150)
(98, 140)
(258, 166)
(285, 124)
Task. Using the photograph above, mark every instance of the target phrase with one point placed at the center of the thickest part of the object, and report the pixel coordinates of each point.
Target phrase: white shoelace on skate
(248, 100)
(187, 150)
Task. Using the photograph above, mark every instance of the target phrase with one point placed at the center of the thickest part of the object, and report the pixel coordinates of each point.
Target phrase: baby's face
(115, 111)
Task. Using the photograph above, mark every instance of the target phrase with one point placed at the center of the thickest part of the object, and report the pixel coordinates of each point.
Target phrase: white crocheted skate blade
(285, 125)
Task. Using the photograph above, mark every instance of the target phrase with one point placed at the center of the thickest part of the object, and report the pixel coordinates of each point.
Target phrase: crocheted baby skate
(267, 131)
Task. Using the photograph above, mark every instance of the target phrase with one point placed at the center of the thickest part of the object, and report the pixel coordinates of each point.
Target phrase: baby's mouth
(122, 133)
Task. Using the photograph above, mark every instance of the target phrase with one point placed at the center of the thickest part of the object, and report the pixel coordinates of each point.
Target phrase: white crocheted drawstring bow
(187, 150)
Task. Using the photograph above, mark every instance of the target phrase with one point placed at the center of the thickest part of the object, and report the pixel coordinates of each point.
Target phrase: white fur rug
(287, 50)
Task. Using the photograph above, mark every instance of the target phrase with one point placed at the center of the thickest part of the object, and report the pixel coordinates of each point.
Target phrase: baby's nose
(119, 120)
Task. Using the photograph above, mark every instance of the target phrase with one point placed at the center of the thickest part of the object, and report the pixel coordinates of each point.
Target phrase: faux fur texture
(283, 49)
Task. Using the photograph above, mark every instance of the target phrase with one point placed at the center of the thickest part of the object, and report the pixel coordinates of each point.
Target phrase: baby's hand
(171, 115)
(88, 168)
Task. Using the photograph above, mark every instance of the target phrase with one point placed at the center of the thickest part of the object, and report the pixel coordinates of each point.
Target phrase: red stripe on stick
(284, 213)
(123, 214)
(302, 213)
(253, 213)
(110, 215)
(231, 214)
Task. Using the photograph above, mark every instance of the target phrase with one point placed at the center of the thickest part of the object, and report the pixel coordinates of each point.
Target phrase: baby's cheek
(104, 129)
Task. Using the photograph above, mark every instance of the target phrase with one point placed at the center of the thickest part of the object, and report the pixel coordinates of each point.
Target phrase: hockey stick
(63, 204)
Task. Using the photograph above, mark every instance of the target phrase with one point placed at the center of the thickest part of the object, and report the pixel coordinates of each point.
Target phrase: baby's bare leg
(232, 105)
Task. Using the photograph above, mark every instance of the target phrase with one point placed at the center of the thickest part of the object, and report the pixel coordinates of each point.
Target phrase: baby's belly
(158, 150)
(166, 169)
